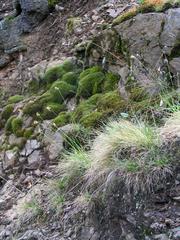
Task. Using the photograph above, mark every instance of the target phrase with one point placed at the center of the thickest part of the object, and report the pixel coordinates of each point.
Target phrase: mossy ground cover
(146, 6)
(94, 89)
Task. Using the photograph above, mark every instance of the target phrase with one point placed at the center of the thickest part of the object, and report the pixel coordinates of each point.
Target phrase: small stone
(9, 160)
(161, 237)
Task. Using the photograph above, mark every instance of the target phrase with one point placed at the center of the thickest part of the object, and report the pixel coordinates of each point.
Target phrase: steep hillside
(89, 120)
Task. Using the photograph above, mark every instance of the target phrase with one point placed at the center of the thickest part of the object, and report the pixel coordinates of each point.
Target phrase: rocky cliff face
(62, 175)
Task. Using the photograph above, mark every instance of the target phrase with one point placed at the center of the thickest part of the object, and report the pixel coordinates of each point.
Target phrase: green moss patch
(91, 119)
(137, 94)
(8, 125)
(62, 119)
(51, 110)
(54, 74)
(111, 102)
(7, 111)
(28, 132)
(90, 84)
(15, 99)
(111, 82)
(17, 126)
(61, 90)
(88, 71)
(32, 108)
(70, 78)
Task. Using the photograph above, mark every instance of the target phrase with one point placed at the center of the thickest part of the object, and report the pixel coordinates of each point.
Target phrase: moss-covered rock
(68, 66)
(125, 16)
(70, 78)
(62, 119)
(28, 132)
(61, 90)
(111, 102)
(7, 111)
(54, 74)
(17, 124)
(91, 119)
(90, 70)
(8, 125)
(111, 82)
(15, 99)
(90, 84)
(137, 94)
(86, 107)
(51, 110)
(32, 108)
(36, 106)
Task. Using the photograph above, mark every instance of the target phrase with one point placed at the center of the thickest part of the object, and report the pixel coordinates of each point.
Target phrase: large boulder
(150, 41)
(27, 15)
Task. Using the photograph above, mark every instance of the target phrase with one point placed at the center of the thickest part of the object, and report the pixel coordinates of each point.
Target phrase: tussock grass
(74, 164)
(172, 127)
(134, 151)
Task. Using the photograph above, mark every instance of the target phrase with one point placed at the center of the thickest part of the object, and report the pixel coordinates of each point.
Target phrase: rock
(170, 35)
(32, 234)
(141, 35)
(161, 237)
(146, 38)
(16, 141)
(36, 72)
(54, 141)
(175, 68)
(30, 147)
(32, 12)
(29, 13)
(176, 233)
(10, 158)
(177, 199)
(35, 159)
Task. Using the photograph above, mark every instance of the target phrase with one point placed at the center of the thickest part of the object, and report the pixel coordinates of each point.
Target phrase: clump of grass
(126, 147)
(172, 127)
(34, 207)
(74, 164)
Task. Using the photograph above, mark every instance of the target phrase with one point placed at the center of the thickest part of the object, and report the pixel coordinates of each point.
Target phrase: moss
(33, 86)
(91, 119)
(37, 105)
(90, 70)
(85, 107)
(54, 74)
(17, 126)
(51, 110)
(111, 82)
(70, 78)
(32, 108)
(125, 16)
(15, 99)
(137, 94)
(61, 90)
(28, 133)
(90, 84)
(7, 111)
(111, 102)
(62, 119)
(8, 125)
(68, 66)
